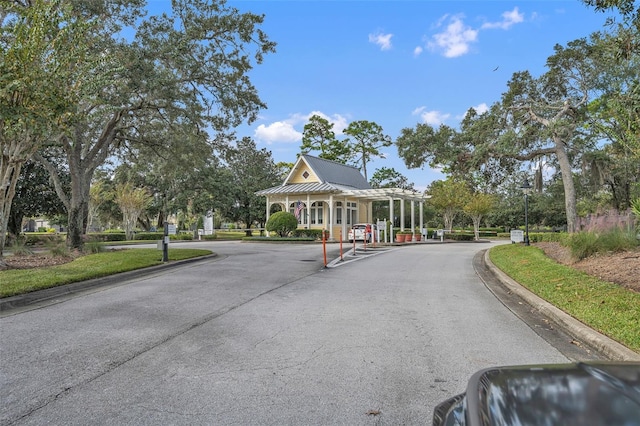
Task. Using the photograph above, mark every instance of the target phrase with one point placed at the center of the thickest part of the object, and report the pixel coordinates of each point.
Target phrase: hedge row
(307, 233)
(539, 237)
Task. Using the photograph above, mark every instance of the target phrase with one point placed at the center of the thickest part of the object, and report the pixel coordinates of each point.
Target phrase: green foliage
(368, 139)
(250, 170)
(585, 244)
(318, 135)
(551, 237)
(87, 267)
(635, 208)
(307, 233)
(181, 236)
(92, 247)
(151, 236)
(617, 240)
(58, 249)
(39, 240)
(282, 223)
(448, 197)
(459, 236)
(608, 308)
(34, 197)
(20, 248)
(386, 177)
(112, 235)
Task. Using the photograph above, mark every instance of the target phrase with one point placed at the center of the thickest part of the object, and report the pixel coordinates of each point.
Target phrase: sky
(397, 63)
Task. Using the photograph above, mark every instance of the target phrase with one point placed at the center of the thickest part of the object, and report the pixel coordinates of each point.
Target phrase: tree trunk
(9, 173)
(476, 226)
(75, 227)
(567, 182)
(14, 225)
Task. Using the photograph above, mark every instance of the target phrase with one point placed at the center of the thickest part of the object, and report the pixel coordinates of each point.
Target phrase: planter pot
(399, 238)
(418, 237)
(408, 238)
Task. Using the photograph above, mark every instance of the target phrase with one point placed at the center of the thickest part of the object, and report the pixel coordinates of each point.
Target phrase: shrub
(616, 240)
(108, 236)
(20, 248)
(307, 233)
(93, 246)
(459, 237)
(145, 236)
(549, 237)
(585, 244)
(282, 223)
(182, 236)
(42, 239)
(582, 244)
(58, 249)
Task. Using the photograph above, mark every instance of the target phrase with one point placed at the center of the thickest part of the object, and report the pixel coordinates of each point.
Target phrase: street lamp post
(526, 188)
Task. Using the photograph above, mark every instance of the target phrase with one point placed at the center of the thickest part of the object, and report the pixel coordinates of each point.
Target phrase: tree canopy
(186, 68)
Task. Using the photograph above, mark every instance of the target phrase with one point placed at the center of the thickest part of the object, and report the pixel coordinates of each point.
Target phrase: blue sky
(397, 63)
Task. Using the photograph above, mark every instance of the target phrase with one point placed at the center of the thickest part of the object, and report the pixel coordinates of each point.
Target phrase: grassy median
(19, 281)
(608, 308)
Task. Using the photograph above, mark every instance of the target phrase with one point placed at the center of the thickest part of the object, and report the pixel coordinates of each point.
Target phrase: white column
(401, 214)
(421, 214)
(391, 217)
(331, 216)
(413, 217)
(344, 219)
(308, 211)
(268, 209)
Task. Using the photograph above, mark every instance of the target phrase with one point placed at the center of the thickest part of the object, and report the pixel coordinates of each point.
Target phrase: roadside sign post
(165, 243)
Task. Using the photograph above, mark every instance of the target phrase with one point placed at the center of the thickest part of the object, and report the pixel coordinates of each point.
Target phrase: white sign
(517, 236)
(208, 223)
(171, 229)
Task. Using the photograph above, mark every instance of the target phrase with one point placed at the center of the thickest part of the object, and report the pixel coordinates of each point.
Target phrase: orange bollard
(324, 246)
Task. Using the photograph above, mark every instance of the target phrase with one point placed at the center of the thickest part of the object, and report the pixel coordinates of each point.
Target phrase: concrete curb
(22, 300)
(609, 347)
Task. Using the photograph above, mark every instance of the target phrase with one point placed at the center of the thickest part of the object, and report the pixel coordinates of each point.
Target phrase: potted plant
(400, 237)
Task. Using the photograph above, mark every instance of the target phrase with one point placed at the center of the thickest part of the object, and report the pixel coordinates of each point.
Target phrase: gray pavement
(263, 335)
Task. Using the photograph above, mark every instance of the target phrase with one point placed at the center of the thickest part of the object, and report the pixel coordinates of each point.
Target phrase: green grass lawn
(19, 281)
(606, 307)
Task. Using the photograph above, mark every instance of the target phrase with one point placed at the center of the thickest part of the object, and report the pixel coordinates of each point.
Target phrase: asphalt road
(264, 335)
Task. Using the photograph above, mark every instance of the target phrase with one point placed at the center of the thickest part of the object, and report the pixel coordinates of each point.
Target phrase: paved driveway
(264, 335)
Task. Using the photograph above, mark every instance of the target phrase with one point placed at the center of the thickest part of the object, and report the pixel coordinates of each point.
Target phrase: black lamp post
(526, 188)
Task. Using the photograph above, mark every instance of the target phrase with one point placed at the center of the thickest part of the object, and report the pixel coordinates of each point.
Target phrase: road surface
(263, 334)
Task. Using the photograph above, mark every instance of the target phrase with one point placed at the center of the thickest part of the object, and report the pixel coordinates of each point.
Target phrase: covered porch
(338, 209)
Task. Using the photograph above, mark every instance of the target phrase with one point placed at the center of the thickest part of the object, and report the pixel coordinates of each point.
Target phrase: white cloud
(508, 19)
(456, 37)
(481, 108)
(455, 40)
(433, 118)
(382, 40)
(280, 131)
(285, 131)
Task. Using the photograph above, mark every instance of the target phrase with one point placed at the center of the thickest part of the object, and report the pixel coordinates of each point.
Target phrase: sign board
(517, 236)
(171, 229)
(208, 223)
(440, 232)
